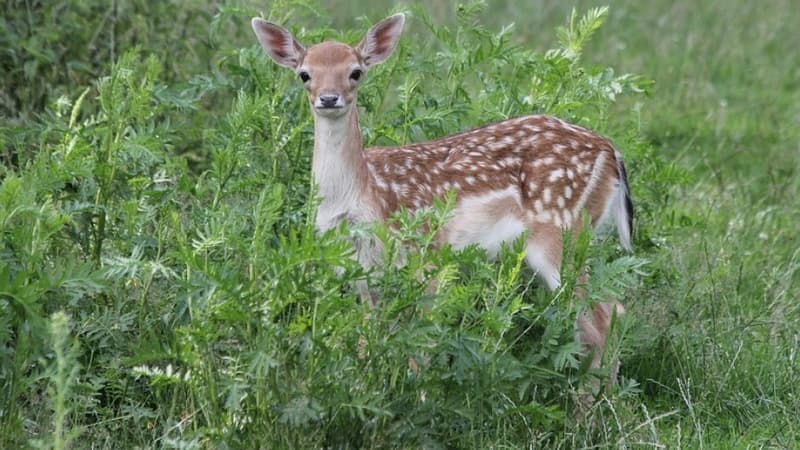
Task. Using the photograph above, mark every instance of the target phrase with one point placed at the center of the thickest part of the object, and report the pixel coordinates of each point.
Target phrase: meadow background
(161, 284)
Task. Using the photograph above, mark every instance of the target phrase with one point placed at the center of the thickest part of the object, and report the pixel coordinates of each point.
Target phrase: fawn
(533, 174)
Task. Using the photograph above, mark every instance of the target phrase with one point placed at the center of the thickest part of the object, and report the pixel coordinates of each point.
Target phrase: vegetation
(162, 285)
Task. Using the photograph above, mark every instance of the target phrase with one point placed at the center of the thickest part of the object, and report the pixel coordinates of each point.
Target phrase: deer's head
(331, 71)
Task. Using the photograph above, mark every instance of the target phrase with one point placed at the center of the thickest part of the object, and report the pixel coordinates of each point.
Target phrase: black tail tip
(623, 175)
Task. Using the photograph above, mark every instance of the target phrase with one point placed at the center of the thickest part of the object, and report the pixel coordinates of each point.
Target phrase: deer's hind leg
(544, 254)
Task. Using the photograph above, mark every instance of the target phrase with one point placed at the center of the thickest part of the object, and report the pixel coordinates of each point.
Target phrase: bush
(174, 244)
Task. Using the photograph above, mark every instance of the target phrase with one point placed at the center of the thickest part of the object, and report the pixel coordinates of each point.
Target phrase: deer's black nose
(329, 100)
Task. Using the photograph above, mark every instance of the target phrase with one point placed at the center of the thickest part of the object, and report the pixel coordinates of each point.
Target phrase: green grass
(161, 284)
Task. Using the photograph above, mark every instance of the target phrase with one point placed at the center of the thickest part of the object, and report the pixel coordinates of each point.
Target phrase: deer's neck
(340, 171)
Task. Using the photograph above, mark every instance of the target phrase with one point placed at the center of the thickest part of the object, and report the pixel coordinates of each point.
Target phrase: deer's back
(548, 165)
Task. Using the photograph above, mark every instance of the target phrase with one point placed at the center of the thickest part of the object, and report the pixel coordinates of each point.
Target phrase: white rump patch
(590, 185)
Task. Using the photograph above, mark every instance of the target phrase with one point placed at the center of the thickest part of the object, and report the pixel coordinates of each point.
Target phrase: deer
(536, 175)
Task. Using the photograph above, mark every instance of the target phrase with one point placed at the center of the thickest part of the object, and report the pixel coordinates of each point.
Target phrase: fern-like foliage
(167, 210)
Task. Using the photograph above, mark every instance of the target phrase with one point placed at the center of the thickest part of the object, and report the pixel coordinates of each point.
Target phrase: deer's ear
(381, 39)
(278, 43)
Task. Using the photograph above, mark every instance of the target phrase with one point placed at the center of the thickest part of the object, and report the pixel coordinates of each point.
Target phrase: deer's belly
(464, 231)
(488, 220)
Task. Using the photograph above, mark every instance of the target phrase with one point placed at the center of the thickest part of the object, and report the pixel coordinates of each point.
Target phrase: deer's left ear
(381, 39)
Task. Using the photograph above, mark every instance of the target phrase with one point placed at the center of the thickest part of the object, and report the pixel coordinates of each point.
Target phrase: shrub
(178, 240)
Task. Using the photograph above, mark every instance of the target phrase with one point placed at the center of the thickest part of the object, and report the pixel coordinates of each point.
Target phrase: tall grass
(162, 285)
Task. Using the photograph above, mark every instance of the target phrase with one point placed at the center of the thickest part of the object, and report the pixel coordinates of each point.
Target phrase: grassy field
(162, 286)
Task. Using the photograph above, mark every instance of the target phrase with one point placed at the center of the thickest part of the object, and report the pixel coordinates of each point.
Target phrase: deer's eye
(355, 75)
(304, 76)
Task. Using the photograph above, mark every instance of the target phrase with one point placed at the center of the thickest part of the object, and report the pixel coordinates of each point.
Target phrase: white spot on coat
(555, 175)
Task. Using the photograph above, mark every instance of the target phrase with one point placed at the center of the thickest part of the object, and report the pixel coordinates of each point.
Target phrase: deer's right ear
(278, 43)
